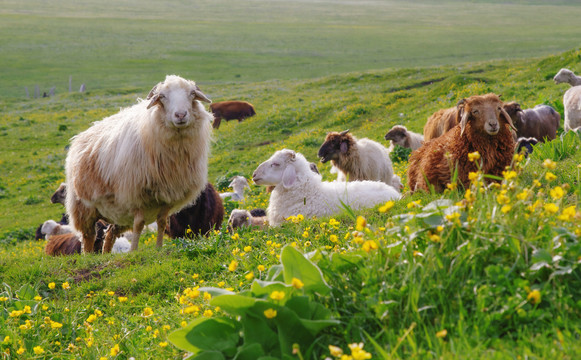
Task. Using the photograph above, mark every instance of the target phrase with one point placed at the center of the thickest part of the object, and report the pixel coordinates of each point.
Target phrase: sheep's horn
(200, 95)
(153, 90)
(344, 132)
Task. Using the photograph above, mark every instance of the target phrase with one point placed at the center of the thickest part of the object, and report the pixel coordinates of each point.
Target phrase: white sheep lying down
(298, 190)
(141, 164)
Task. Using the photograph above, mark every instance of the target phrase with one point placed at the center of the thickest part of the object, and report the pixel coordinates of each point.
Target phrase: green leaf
(542, 255)
(215, 334)
(234, 304)
(378, 348)
(260, 287)
(275, 273)
(26, 292)
(297, 266)
(215, 291)
(258, 329)
(209, 355)
(250, 352)
(342, 262)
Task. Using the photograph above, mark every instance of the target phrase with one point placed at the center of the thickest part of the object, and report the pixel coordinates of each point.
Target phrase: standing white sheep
(298, 190)
(141, 164)
(567, 76)
(572, 105)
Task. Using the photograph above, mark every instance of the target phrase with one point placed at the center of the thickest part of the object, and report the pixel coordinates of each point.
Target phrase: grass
(114, 45)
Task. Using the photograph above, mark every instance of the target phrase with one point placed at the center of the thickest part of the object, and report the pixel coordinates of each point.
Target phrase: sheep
(203, 215)
(141, 164)
(238, 183)
(314, 169)
(358, 159)
(526, 144)
(572, 104)
(69, 244)
(244, 218)
(230, 110)
(445, 119)
(51, 227)
(298, 190)
(59, 195)
(540, 122)
(567, 76)
(484, 126)
(40, 235)
(400, 135)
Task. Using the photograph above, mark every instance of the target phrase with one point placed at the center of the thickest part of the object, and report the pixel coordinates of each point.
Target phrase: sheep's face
(563, 76)
(177, 98)
(485, 113)
(238, 182)
(513, 110)
(397, 135)
(278, 169)
(335, 144)
(238, 218)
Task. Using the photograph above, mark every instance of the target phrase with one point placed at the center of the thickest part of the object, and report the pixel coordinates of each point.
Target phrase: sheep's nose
(180, 115)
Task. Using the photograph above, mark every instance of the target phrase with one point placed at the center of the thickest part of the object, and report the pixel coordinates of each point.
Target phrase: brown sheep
(484, 126)
(445, 119)
(540, 122)
(230, 110)
(69, 244)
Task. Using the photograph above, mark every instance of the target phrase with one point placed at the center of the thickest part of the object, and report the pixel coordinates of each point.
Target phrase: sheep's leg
(161, 224)
(83, 219)
(138, 224)
(112, 234)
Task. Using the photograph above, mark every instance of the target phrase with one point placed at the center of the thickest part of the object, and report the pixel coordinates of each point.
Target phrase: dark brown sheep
(230, 110)
(540, 122)
(484, 126)
(205, 214)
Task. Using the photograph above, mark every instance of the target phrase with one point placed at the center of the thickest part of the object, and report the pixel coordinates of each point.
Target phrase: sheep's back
(375, 163)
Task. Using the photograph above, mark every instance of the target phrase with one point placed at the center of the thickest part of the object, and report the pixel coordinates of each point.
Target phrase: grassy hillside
(131, 44)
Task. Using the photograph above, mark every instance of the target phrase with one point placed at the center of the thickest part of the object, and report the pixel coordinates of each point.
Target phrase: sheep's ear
(508, 119)
(199, 95)
(463, 121)
(344, 147)
(292, 156)
(289, 176)
(153, 91)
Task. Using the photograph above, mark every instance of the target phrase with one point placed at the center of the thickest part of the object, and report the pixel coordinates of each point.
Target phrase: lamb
(572, 104)
(567, 76)
(445, 119)
(203, 215)
(238, 183)
(358, 159)
(540, 122)
(230, 110)
(51, 227)
(484, 126)
(141, 164)
(59, 195)
(400, 135)
(298, 190)
(69, 244)
(244, 218)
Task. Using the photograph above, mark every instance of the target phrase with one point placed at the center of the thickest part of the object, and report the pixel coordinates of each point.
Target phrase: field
(491, 273)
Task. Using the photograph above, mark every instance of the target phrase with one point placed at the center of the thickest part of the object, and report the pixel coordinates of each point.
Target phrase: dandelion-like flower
(534, 297)
(51, 285)
(549, 164)
(551, 208)
(568, 213)
(333, 222)
(557, 192)
(208, 313)
(297, 283)
(549, 176)
(277, 295)
(233, 266)
(115, 350)
(249, 276)
(122, 299)
(357, 352)
(235, 236)
(147, 312)
(38, 350)
(66, 285)
(260, 267)
(509, 175)
(505, 208)
(335, 351)
(369, 245)
(473, 156)
(442, 333)
(361, 223)
(270, 313)
(386, 207)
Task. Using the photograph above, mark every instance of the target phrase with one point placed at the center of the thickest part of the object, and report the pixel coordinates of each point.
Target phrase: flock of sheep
(149, 163)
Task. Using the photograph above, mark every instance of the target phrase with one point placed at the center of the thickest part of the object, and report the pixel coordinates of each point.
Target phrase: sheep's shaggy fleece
(298, 190)
(141, 164)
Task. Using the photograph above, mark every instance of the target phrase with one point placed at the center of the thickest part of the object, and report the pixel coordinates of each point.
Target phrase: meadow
(490, 272)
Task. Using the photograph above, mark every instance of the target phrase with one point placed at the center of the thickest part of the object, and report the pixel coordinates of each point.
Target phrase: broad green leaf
(315, 326)
(260, 287)
(234, 304)
(297, 266)
(250, 352)
(209, 355)
(345, 261)
(275, 273)
(258, 329)
(215, 291)
(306, 309)
(542, 255)
(214, 334)
(438, 205)
(26, 292)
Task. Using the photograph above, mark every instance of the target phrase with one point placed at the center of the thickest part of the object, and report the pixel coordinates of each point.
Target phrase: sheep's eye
(161, 96)
(475, 112)
(275, 164)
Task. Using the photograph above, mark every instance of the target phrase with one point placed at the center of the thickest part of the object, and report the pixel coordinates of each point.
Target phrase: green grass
(110, 45)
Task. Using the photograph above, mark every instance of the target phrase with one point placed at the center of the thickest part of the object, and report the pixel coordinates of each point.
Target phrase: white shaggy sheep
(400, 135)
(238, 183)
(358, 159)
(298, 190)
(51, 227)
(141, 164)
(572, 104)
(567, 76)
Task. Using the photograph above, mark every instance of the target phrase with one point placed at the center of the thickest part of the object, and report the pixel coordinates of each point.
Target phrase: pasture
(491, 274)
(128, 45)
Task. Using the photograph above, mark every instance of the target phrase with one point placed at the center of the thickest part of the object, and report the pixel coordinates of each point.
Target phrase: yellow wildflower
(361, 223)
(233, 266)
(249, 276)
(505, 208)
(551, 208)
(369, 245)
(442, 333)
(386, 207)
(568, 213)
(66, 285)
(452, 217)
(335, 351)
(260, 267)
(452, 186)
(235, 236)
(270, 313)
(38, 298)
(297, 283)
(549, 164)
(122, 299)
(557, 192)
(472, 176)
(333, 238)
(20, 350)
(55, 325)
(208, 313)
(549, 176)
(163, 344)
(207, 295)
(534, 297)
(147, 312)
(523, 194)
(38, 350)
(277, 295)
(508, 175)
(357, 352)
(434, 237)
(248, 248)
(333, 222)
(51, 285)
(115, 350)
(473, 156)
